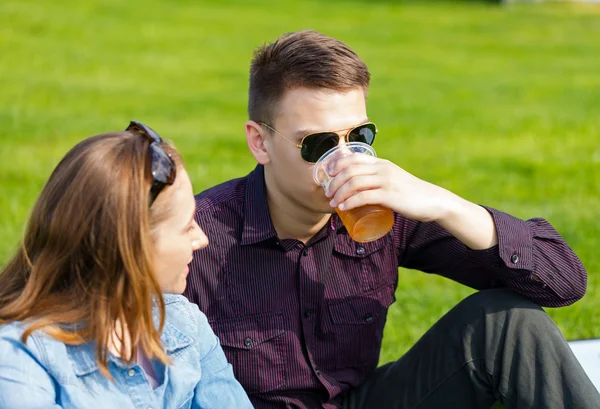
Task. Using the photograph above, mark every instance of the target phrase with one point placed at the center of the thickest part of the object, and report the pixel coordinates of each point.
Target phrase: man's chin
(327, 210)
(320, 204)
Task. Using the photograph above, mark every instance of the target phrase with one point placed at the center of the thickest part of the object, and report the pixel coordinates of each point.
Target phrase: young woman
(91, 314)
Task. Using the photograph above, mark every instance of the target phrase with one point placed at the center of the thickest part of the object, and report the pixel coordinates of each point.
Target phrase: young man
(300, 308)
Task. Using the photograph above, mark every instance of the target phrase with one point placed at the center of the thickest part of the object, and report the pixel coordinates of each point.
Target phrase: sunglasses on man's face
(314, 145)
(162, 166)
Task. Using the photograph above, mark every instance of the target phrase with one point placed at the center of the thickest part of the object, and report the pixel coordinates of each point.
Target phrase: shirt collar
(335, 223)
(83, 357)
(258, 225)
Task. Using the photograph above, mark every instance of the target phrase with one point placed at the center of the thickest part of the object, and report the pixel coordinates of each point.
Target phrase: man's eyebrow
(301, 133)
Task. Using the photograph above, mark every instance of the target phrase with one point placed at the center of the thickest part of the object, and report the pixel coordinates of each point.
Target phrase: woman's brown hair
(84, 268)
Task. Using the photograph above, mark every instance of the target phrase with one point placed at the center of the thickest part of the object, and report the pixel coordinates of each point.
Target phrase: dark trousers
(495, 346)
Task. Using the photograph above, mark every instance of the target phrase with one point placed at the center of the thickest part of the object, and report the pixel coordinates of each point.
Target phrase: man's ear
(256, 142)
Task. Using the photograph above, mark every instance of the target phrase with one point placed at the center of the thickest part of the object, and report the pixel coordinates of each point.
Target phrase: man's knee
(499, 299)
(505, 308)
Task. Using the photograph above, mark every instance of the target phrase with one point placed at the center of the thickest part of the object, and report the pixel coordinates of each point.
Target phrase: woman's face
(177, 236)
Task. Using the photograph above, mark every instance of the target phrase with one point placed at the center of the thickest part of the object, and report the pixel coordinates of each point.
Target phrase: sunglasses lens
(162, 166)
(364, 133)
(315, 145)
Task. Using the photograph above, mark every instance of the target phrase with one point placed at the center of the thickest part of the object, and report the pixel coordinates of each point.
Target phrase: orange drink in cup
(365, 223)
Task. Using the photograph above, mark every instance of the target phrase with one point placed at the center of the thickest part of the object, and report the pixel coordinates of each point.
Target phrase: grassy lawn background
(498, 104)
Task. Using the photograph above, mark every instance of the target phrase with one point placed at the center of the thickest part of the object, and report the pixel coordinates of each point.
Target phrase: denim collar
(83, 357)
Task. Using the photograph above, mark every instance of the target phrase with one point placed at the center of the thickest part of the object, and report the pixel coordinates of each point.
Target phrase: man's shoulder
(230, 193)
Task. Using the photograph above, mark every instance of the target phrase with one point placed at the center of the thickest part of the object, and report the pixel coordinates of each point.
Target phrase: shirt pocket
(372, 264)
(357, 326)
(254, 347)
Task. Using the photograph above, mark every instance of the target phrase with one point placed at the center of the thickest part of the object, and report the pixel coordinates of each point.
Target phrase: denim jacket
(46, 373)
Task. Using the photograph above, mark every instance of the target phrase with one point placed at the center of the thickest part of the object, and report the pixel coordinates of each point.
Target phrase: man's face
(301, 112)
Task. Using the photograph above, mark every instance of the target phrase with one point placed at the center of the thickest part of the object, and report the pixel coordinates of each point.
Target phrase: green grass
(498, 104)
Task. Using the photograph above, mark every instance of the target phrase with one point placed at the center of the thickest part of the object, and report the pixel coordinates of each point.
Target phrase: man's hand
(361, 179)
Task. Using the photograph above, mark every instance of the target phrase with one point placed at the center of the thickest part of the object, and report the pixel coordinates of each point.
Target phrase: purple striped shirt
(303, 324)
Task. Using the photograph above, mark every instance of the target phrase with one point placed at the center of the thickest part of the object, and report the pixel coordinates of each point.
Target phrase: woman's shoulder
(38, 347)
(30, 370)
(12, 332)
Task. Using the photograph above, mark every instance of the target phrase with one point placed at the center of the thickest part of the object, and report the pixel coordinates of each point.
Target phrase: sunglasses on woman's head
(314, 145)
(162, 166)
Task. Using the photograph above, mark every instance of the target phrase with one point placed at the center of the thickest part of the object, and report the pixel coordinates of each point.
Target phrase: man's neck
(292, 221)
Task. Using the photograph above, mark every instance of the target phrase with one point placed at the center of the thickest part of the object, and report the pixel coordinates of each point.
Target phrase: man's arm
(468, 222)
(531, 258)
(439, 232)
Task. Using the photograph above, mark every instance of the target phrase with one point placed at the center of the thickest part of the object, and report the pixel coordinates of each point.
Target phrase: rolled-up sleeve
(531, 258)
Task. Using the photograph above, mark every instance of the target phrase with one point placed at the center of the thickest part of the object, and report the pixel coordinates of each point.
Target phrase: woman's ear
(256, 142)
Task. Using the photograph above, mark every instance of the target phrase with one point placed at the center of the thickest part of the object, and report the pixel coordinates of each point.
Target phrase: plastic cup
(365, 223)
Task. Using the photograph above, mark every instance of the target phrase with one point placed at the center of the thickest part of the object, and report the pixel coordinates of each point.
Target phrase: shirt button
(248, 342)
(360, 250)
(131, 372)
(369, 317)
(305, 251)
(308, 313)
(514, 258)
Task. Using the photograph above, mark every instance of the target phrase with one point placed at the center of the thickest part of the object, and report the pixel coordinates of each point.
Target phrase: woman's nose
(201, 239)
